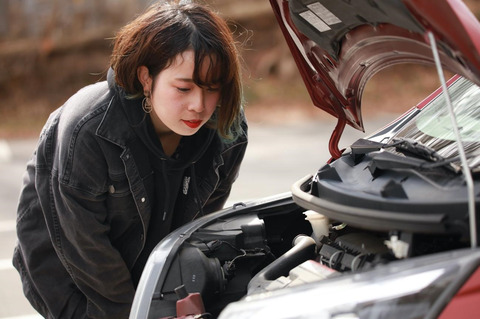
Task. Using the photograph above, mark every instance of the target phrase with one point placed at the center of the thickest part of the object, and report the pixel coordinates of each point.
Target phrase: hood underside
(339, 45)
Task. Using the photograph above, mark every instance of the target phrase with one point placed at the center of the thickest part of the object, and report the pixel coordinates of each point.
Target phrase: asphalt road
(277, 156)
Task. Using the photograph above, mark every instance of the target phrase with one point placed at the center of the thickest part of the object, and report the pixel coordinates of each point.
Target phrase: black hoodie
(171, 177)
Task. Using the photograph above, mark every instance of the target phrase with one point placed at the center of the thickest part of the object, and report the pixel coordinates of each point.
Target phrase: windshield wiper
(416, 155)
(427, 158)
(411, 147)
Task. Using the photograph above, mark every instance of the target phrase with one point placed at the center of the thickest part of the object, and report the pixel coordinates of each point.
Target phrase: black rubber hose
(303, 249)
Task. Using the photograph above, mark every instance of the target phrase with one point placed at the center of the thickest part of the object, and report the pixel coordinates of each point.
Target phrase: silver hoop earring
(147, 103)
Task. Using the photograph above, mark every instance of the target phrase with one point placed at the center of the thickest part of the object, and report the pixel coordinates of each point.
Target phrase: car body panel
(465, 302)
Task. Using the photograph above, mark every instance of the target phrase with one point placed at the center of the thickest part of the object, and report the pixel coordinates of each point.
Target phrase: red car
(388, 228)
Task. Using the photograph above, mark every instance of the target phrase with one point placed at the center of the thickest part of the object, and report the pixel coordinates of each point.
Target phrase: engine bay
(282, 246)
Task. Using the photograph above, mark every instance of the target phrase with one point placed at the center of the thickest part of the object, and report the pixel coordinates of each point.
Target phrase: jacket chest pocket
(121, 205)
(122, 211)
(127, 227)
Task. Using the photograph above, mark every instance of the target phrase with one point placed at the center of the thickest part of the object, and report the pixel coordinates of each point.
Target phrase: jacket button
(111, 189)
(143, 199)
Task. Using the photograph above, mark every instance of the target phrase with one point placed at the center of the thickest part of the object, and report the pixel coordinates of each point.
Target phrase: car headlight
(416, 288)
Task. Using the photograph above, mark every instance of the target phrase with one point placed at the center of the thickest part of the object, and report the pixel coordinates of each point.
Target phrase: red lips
(192, 123)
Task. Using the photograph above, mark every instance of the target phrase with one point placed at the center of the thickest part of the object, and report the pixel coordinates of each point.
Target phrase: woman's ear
(144, 77)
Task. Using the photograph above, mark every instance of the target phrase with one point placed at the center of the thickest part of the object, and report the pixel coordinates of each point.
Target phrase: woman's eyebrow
(190, 80)
(184, 79)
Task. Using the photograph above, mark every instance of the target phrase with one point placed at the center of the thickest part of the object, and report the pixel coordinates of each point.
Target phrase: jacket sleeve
(96, 267)
(76, 214)
(36, 259)
(228, 173)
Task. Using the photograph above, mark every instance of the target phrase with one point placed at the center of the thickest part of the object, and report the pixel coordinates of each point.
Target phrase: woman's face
(179, 105)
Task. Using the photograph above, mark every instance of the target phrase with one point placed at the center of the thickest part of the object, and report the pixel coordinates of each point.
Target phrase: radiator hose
(303, 249)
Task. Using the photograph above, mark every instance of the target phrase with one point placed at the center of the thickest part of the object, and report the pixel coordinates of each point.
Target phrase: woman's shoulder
(87, 103)
(76, 119)
(236, 144)
(81, 106)
(68, 142)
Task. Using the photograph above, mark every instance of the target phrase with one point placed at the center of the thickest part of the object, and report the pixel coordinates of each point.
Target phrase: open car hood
(339, 45)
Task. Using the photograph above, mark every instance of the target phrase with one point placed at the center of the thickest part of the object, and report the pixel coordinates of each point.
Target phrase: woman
(124, 162)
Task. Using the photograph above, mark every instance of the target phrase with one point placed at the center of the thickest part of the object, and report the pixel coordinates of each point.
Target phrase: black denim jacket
(86, 203)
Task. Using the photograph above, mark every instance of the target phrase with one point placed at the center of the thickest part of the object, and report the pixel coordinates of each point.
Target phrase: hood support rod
(465, 168)
(335, 138)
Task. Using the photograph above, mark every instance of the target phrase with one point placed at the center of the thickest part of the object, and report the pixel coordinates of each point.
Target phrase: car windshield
(432, 127)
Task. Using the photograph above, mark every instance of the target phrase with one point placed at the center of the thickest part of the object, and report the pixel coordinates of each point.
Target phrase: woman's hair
(167, 29)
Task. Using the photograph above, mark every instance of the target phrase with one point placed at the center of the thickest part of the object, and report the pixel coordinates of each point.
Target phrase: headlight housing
(418, 288)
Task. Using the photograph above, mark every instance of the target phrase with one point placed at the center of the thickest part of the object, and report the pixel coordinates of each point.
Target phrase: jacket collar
(114, 126)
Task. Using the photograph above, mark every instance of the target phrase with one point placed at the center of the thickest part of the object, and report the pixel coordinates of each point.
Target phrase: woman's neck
(167, 137)
(169, 142)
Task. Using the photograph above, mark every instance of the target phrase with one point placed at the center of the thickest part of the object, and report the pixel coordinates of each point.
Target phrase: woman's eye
(181, 89)
(213, 89)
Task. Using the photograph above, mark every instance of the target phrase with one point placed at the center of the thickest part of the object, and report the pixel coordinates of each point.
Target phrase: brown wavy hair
(167, 29)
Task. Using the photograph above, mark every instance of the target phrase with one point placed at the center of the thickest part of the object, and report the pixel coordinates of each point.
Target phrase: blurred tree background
(49, 49)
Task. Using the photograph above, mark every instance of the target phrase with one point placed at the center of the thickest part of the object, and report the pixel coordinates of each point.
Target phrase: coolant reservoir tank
(320, 224)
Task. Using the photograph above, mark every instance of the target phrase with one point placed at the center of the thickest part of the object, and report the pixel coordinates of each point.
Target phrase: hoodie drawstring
(196, 196)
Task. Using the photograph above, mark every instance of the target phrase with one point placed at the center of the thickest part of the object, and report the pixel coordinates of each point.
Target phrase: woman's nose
(197, 104)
